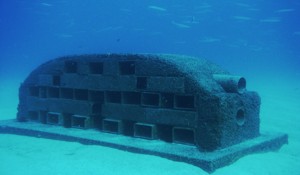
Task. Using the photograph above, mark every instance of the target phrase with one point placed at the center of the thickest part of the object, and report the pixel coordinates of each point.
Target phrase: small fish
(270, 20)
(284, 10)
(46, 4)
(242, 5)
(210, 40)
(242, 18)
(139, 29)
(125, 10)
(64, 35)
(156, 33)
(297, 33)
(180, 42)
(180, 25)
(157, 8)
(109, 28)
(203, 6)
(254, 9)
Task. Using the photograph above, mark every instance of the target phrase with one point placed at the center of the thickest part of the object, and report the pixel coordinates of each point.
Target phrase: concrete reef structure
(171, 98)
(177, 100)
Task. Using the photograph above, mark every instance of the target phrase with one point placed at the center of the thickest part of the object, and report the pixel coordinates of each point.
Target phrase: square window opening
(96, 67)
(141, 82)
(127, 67)
(113, 97)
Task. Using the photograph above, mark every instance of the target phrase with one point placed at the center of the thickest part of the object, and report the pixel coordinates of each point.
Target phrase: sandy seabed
(280, 112)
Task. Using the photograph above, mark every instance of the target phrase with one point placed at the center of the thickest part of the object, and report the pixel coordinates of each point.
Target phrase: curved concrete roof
(198, 71)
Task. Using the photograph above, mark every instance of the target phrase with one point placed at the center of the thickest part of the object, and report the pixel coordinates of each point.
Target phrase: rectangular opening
(34, 91)
(167, 100)
(97, 121)
(128, 126)
(185, 101)
(127, 67)
(96, 96)
(96, 67)
(112, 126)
(80, 94)
(79, 121)
(97, 108)
(43, 92)
(56, 80)
(183, 135)
(141, 82)
(43, 116)
(33, 115)
(132, 98)
(113, 97)
(146, 131)
(66, 93)
(67, 120)
(53, 92)
(150, 99)
(164, 132)
(70, 67)
(54, 118)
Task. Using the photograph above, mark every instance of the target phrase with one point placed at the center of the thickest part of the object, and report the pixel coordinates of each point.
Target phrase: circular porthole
(240, 117)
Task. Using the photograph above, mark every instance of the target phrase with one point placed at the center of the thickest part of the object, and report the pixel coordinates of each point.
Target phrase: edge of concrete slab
(208, 161)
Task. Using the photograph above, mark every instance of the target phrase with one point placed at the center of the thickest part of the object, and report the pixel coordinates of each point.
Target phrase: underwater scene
(149, 87)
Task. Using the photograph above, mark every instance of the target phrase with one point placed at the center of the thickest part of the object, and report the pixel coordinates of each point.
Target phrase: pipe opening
(241, 85)
(230, 83)
(240, 117)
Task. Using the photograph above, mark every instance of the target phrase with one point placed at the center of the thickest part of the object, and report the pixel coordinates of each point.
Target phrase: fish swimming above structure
(178, 107)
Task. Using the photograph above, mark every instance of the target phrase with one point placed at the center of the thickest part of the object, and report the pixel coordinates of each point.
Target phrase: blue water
(235, 34)
(258, 39)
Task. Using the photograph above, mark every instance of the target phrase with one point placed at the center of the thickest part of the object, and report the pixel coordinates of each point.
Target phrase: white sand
(280, 111)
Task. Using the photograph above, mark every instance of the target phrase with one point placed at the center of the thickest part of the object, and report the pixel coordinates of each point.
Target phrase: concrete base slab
(208, 161)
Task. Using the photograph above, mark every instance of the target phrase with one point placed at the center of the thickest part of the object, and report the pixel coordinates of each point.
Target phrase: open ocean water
(257, 39)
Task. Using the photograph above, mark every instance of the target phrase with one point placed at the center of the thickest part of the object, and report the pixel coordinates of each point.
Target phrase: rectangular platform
(208, 161)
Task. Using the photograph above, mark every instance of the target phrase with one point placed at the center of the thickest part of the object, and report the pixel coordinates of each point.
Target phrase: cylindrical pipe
(230, 83)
